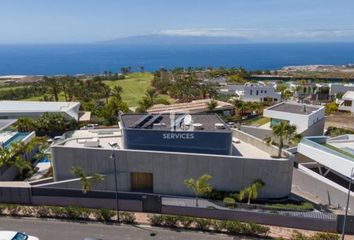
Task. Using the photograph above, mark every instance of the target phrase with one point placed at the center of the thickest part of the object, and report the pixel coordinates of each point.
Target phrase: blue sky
(76, 21)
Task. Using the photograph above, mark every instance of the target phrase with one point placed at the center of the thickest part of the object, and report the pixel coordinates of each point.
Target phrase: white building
(347, 102)
(34, 109)
(309, 119)
(335, 154)
(336, 88)
(259, 92)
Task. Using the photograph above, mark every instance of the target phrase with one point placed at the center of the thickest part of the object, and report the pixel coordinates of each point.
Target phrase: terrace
(102, 138)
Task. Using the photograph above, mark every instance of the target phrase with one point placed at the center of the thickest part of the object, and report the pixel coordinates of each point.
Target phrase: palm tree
(148, 100)
(251, 192)
(199, 186)
(117, 92)
(240, 106)
(86, 182)
(282, 132)
(212, 104)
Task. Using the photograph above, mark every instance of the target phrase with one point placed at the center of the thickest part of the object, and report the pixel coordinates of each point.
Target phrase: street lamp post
(348, 198)
(113, 157)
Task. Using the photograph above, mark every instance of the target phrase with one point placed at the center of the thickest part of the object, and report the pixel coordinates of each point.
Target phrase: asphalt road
(63, 230)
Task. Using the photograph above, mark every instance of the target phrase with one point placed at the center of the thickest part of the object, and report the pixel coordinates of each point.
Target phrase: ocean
(96, 58)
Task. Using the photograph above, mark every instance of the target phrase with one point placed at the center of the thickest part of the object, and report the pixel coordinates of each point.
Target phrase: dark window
(257, 92)
(251, 92)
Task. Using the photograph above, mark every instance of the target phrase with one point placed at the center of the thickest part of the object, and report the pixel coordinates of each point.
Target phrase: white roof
(348, 95)
(70, 108)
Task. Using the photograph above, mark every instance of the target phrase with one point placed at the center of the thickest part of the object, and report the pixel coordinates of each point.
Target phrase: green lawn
(134, 87)
(258, 121)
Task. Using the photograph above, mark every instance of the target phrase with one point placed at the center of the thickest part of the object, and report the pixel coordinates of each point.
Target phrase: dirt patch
(340, 120)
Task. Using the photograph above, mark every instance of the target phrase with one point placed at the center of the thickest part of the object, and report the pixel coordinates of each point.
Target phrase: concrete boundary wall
(321, 188)
(257, 142)
(254, 217)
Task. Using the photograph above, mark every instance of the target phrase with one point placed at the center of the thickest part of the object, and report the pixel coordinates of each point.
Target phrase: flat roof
(165, 122)
(304, 109)
(194, 106)
(4, 123)
(113, 135)
(348, 95)
(343, 144)
(36, 106)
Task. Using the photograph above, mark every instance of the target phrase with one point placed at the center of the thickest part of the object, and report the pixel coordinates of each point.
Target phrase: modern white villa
(336, 88)
(259, 92)
(309, 119)
(335, 154)
(347, 102)
(34, 109)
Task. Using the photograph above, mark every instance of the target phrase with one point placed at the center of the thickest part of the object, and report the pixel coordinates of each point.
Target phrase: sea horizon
(95, 58)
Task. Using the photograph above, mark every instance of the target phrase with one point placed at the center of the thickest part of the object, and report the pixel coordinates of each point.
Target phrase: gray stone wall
(169, 170)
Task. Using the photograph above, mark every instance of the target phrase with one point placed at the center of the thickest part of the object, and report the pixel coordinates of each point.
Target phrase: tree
(212, 104)
(117, 92)
(240, 106)
(148, 100)
(331, 108)
(86, 182)
(282, 132)
(250, 192)
(25, 124)
(199, 186)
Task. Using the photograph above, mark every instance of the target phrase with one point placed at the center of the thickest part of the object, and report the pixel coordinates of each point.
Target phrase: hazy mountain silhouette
(161, 39)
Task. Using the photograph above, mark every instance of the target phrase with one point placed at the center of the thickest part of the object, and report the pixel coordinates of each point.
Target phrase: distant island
(165, 39)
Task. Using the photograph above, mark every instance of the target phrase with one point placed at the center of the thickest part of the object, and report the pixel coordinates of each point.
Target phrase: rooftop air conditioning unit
(94, 142)
(219, 126)
(198, 126)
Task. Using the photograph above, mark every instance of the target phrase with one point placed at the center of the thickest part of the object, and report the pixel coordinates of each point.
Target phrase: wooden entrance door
(141, 182)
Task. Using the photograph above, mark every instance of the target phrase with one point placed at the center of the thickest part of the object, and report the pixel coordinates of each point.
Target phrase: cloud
(264, 34)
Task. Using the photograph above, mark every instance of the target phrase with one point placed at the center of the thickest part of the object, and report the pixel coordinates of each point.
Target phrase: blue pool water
(43, 160)
(16, 138)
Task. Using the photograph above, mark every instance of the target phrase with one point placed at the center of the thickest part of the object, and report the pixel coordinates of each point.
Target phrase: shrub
(104, 214)
(58, 212)
(229, 202)
(127, 217)
(258, 229)
(27, 211)
(2, 209)
(170, 221)
(233, 227)
(43, 211)
(185, 221)
(218, 225)
(155, 219)
(202, 224)
(325, 236)
(73, 212)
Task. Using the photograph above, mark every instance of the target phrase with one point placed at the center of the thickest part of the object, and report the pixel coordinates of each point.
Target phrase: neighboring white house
(336, 88)
(336, 154)
(347, 102)
(34, 109)
(309, 119)
(259, 92)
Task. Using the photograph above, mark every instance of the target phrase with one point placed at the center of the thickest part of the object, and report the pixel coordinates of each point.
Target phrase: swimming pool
(15, 138)
(43, 160)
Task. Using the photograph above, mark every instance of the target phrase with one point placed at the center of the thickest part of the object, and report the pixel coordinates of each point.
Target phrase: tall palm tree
(251, 192)
(199, 186)
(282, 132)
